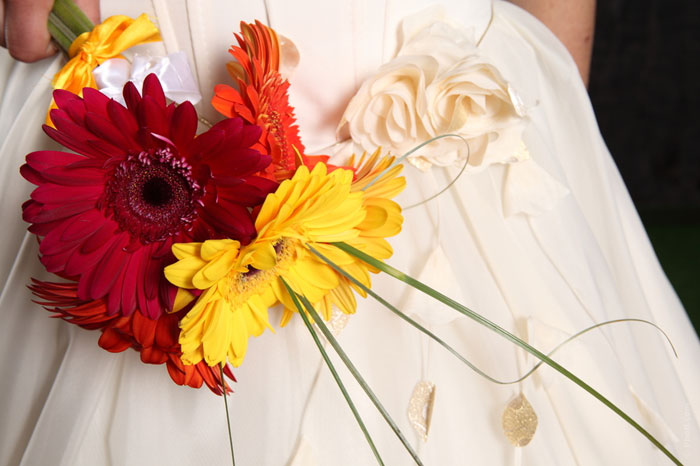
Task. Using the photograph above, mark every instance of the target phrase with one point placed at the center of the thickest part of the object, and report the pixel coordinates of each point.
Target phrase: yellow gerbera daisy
(383, 219)
(240, 284)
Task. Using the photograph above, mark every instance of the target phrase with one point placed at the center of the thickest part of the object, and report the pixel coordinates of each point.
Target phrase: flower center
(152, 195)
(243, 285)
(157, 192)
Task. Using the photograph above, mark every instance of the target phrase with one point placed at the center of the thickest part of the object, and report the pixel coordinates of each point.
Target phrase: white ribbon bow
(173, 73)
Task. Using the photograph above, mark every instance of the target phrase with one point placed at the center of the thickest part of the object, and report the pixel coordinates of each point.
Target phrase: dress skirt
(545, 247)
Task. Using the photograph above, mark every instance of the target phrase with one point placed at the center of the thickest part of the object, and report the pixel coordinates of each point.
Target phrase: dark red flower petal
(70, 103)
(103, 128)
(140, 181)
(152, 88)
(95, 101)
(152, 116)
(125, 121)
(184, 126)
(131, 97)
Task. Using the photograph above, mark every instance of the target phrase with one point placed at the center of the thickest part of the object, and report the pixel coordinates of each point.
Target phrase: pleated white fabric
(580, 259)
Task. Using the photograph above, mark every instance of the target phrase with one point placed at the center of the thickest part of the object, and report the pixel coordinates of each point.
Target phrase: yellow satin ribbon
(90, 49)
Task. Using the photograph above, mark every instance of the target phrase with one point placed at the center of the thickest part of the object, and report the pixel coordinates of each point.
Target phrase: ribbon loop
(107, 40)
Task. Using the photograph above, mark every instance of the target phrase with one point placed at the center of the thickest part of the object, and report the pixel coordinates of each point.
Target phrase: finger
(91, 8)
(26, 34)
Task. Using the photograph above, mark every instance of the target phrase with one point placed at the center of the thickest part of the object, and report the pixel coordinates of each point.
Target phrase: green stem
(360, 380)
(337, 378)
(66, 22)
(228, 418)
(63, 36)
(72, 16)
(504, 333)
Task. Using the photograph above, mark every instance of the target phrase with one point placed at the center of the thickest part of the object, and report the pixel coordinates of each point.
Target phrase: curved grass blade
(405, 317)
(506, 334)
(228, 418)
(450, 349)
(593, 327)
(360, 380)
(331, 367)
(443, 190)
(418, 147)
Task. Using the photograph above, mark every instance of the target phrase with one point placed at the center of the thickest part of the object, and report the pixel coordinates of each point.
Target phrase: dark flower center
(152, 195)
(157, 192)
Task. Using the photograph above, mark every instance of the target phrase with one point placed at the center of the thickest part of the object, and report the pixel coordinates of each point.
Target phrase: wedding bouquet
(176, 243)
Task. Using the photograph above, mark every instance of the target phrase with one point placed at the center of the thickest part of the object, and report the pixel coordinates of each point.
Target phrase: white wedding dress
(555, 263)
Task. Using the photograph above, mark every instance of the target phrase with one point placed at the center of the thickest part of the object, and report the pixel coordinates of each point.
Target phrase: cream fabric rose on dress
(391, 110)
(438, 84)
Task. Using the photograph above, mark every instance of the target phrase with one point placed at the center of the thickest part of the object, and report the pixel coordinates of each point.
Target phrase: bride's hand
(23, 26)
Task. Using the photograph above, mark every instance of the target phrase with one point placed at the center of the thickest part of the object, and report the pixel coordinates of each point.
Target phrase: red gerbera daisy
(156, 340)
(140, 181)
(263, 100)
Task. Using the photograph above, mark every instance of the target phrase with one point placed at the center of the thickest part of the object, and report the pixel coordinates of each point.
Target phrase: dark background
(644, 84)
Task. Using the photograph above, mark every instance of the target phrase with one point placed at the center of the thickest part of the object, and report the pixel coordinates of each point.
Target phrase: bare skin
(572, 21)
(23, 27)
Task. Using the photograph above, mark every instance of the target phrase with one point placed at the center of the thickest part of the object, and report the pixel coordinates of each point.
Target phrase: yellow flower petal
(211, 248)
(241, 283)
(264, 257)
(181, 272)
(182, 250)
(216, 269)
(182, 299)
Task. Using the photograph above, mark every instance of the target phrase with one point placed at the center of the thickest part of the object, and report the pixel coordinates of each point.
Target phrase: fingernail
(51, 48)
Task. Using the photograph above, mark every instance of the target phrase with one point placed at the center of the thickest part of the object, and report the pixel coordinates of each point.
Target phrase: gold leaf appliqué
(420, 407)
(519, 421)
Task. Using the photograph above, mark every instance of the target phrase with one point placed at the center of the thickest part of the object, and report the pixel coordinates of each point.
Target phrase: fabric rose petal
(239, 284)
(141, 180)
(156, 340)
(438, 84)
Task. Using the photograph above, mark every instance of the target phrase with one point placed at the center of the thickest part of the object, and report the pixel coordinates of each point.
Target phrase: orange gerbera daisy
(156, 340)
(262, 99)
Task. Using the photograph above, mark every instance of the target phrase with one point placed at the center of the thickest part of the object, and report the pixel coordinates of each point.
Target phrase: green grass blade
(405, 317)
(443, 190)
(593, 327)
(418, 147)
(504, 333)
(360, 380)
(228, 418)
(456, 354)
(331, 367)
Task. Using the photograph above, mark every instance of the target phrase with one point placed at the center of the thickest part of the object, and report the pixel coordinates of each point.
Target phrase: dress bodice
(363, 35)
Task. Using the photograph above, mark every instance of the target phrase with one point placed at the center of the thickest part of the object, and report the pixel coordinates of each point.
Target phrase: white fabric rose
(438, 84)
(391, 109)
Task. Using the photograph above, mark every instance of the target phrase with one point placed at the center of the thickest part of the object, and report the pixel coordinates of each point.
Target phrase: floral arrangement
(177, 243)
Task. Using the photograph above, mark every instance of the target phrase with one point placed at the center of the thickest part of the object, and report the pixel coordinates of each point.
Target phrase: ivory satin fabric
(580, 259)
